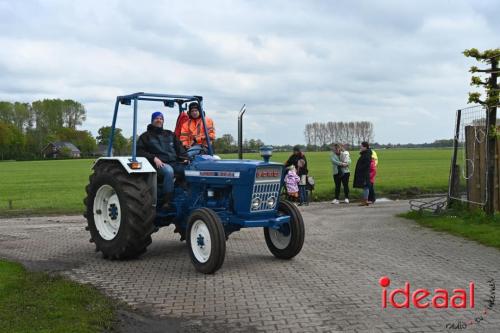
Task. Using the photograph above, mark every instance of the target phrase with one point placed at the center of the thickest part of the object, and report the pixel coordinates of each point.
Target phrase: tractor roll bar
(142, 96)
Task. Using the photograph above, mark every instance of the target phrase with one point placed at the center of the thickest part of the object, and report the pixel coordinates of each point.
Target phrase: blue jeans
(302, 193)
(168, 178)
(366, 192)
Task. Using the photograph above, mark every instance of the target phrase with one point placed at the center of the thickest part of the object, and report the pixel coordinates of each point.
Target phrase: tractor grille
(264, 192)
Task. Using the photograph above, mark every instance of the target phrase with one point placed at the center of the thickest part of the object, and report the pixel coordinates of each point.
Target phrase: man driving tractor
(163, 150)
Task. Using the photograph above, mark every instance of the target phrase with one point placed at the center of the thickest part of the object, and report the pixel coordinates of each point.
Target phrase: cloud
(397, 64)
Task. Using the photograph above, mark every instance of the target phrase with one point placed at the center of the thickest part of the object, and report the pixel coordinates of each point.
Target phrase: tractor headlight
(271, 201)
(256, 203)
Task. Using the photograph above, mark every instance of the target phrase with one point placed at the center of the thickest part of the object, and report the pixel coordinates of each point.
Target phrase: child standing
(345, 157)
(292, 182)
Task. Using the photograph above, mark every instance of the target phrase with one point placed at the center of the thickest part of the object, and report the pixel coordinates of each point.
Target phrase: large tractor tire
(206, 240)
(119, 211)
(287, 242)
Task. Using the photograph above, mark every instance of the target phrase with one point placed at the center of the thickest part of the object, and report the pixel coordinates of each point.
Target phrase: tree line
(324, 134)
(227, 144)
(26, 128)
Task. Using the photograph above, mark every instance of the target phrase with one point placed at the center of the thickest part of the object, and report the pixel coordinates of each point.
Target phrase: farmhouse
(102, 150)
(60, 149)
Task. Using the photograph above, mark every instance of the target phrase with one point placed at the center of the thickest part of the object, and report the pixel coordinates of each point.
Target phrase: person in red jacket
(373, 173)
(181, 119)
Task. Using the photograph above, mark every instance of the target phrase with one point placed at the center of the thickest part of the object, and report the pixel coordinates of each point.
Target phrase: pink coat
(292, 182)
(373, 171)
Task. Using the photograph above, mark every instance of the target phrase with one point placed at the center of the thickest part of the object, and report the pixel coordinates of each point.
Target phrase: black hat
(194, 105)
(296, 148)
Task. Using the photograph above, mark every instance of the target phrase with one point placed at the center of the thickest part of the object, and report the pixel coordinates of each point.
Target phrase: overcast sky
(398, 64)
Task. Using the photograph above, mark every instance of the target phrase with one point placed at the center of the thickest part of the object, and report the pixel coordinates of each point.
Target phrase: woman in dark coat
(295, 157)
(362, 173)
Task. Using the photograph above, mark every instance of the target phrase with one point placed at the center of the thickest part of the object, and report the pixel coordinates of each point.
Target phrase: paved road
(331, 286)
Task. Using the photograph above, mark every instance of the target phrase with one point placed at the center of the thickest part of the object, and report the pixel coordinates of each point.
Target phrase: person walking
(362, 172)
(340, 161)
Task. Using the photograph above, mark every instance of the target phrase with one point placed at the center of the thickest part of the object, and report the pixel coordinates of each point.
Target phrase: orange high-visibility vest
(193, 132)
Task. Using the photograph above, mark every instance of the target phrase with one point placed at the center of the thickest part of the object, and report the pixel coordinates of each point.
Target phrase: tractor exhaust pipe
(240, 131)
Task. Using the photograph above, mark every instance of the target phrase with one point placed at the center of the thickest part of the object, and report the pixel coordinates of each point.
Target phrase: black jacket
(161, 143)
(362, 173)
(294, 160)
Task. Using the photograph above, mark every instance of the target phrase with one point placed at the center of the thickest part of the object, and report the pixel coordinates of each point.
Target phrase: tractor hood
(207, 169)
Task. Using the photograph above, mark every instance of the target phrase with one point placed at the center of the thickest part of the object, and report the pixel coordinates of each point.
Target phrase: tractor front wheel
(206, 240)
(286, 242)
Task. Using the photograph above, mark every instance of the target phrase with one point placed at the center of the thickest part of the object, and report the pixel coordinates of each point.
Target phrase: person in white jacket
(340, 161)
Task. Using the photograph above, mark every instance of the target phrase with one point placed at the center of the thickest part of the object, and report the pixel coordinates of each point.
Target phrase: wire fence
(468, 168)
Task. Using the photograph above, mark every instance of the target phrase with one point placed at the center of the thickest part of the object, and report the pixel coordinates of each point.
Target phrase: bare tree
(330, 127)
(316, 131)
(320, 134)
(308, 134)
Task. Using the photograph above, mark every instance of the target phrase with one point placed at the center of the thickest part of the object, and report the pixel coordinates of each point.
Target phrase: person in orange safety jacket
(192, 134)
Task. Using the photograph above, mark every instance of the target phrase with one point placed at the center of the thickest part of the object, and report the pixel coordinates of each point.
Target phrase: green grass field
(55, 187)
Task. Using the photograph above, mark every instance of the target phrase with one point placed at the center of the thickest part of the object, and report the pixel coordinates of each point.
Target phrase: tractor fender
(125, 160)
(146, 168)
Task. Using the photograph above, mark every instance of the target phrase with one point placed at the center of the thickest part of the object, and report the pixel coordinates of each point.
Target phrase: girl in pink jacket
(292, 183)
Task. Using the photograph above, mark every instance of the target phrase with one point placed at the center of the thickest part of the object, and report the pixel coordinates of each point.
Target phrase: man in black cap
(164, 151)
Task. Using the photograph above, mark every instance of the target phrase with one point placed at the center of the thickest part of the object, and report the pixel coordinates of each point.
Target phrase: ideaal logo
(440, 298)
(460, 298)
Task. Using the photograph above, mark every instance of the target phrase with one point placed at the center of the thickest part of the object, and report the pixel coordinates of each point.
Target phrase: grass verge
(473, 225)
(39, 302)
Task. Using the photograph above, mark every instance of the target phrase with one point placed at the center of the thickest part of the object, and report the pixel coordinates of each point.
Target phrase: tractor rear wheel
(119, 211)
(206, 240)
(286, 242)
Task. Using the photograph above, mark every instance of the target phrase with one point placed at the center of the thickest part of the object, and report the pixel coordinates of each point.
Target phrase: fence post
(454, 172)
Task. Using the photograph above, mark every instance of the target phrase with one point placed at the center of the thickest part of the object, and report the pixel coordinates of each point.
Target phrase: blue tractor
(215, 198)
